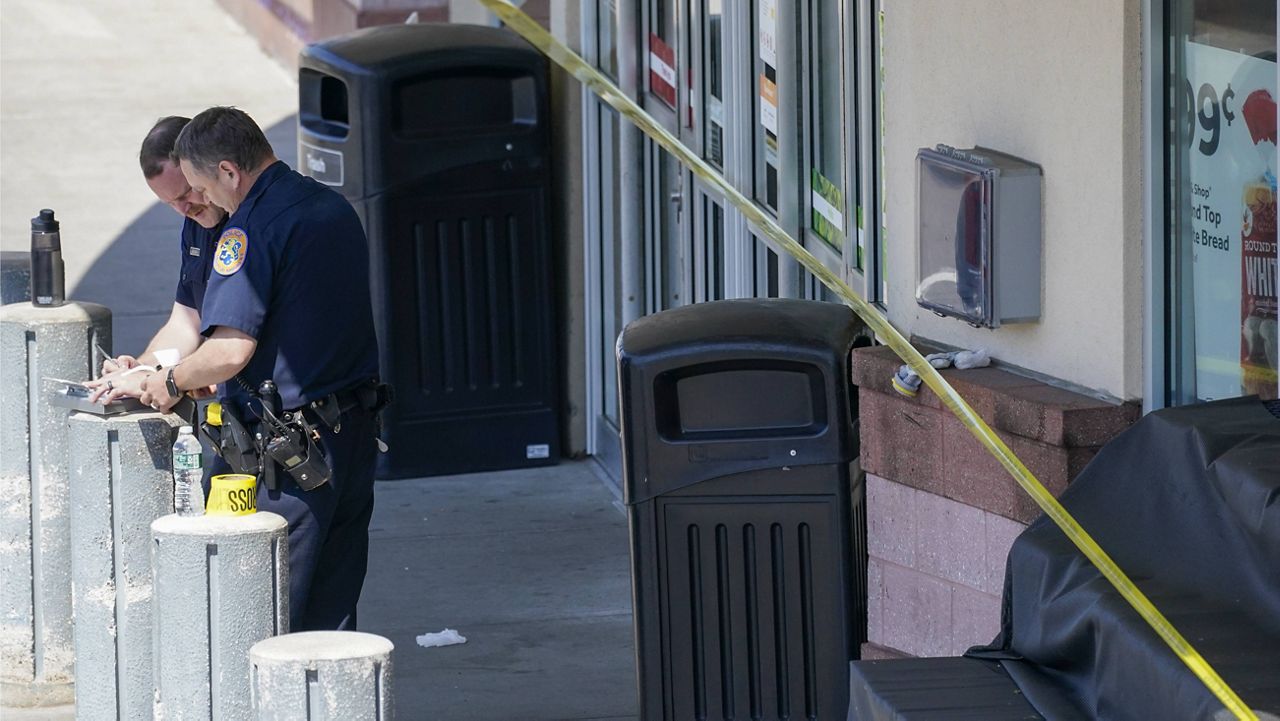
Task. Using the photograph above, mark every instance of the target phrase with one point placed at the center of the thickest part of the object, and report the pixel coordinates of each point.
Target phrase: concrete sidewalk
(532, 567)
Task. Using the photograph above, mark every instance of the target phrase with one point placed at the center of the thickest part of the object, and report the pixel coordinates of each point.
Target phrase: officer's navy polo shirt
(198, 243)
(291, 270)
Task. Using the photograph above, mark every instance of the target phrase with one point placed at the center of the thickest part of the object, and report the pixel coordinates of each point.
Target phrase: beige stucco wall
(1058, 84)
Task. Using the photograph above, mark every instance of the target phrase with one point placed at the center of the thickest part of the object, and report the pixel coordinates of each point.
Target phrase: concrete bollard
(323, 676)
(15, 276)
(221, 585)
(36, 657)
(120, 482)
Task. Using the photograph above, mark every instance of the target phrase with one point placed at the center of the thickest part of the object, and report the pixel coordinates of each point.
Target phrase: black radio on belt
(290, 440)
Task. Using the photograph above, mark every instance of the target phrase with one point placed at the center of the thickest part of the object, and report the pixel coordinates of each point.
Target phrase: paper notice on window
(715, 110)
(827, 220)
(769, 105)
(769, 32)
(662, 71)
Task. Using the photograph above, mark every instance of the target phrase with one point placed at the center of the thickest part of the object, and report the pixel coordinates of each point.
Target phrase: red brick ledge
(918, 443)
(1008, 401)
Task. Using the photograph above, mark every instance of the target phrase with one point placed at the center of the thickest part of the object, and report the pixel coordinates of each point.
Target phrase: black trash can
(748, 544)
(439, 136)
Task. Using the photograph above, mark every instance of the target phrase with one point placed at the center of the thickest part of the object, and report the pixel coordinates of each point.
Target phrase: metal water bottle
(48, 276)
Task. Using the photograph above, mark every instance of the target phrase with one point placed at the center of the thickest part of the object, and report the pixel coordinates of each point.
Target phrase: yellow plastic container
(232, 494)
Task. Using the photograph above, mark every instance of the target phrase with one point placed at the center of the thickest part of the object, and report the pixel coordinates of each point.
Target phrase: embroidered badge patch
(231, 250)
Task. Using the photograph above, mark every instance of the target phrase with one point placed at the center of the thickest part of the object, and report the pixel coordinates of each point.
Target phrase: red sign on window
(662, 70)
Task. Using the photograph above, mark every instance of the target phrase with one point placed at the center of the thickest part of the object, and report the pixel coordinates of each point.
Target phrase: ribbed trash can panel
(221, 585)
(36, 656)
(120, 483)
(323, 676)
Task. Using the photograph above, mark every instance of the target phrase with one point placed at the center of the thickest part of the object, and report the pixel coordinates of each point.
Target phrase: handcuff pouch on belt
(230, 438)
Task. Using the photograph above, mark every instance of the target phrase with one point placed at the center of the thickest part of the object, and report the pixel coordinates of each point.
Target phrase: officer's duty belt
(370, 396)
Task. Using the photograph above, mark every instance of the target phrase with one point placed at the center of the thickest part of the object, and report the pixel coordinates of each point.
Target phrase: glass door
(830, 188)
(606, 308)
(668, 260)
(706, 132)
(775, 144)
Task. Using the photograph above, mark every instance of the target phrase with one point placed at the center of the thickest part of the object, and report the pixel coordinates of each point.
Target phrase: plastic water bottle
(188, 494)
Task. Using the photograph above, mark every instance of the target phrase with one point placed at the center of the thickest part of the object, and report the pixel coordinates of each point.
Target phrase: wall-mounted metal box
(980, 236)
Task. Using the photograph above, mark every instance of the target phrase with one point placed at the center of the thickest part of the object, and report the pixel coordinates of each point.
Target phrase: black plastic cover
(730, 386)
(935, 689)
(1187, 502)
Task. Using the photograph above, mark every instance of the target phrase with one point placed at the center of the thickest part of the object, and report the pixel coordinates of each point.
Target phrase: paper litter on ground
(447, 637)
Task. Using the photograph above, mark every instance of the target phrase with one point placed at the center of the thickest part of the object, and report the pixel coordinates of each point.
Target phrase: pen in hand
(106, 358)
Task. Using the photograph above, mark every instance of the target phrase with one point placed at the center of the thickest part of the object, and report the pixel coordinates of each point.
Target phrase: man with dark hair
(201, 227)
(288, 301)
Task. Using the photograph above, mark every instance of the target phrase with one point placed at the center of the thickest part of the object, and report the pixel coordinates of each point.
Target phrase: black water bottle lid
(44, 222)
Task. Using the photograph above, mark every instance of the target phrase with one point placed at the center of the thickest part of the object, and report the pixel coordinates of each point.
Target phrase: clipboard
(75, 396)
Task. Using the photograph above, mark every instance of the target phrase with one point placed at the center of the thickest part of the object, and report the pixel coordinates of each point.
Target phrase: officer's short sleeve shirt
(197, 246)
(291, 270)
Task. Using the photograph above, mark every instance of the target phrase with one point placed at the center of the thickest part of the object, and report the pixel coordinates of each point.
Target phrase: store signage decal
(662, 71)
(769, 32)
(827, 219)
(769, 105)
(1229, 102)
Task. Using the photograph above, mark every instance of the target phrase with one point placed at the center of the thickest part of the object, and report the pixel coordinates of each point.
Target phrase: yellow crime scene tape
(566, 58)
(232, 494)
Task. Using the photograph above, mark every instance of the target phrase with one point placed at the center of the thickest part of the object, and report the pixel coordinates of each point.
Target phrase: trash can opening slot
(322, 104)
(740, 400)
(476, 100)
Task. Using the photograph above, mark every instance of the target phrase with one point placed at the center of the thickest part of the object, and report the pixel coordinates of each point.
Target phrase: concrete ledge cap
(176, 525)
(69, 312)
(321, 646)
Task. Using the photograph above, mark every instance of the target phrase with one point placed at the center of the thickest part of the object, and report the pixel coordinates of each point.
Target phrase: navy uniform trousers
(328, 526)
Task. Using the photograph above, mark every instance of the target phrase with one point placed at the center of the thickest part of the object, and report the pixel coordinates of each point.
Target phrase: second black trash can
(747, 541)
(439, 135)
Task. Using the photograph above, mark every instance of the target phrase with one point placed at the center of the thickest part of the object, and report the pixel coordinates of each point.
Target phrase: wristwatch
(170, 385)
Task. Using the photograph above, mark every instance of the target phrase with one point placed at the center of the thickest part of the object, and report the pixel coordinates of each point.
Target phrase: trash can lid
(390, 46)
(759, 321)
(702, 389)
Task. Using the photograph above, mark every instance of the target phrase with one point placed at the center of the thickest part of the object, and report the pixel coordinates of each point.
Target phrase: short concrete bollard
(221, 585)
(120, 483)
(323, 676)
(15, 276)
(36, 657)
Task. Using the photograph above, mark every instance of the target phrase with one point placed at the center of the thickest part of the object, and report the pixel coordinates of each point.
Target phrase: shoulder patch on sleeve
(229, 256)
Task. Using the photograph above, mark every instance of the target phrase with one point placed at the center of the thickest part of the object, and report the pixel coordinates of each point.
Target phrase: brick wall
(941, 512)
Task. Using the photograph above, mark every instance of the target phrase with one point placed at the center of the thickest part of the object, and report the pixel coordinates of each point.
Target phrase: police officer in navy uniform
(289, 301)
(201, 227)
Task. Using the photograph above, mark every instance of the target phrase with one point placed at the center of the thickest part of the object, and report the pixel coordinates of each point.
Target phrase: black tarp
(1187, 502)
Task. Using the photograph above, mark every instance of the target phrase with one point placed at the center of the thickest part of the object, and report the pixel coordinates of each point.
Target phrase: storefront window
(713, 87)
(661, 56)
(765, 81)
(1221, 169)
(827, 119)
(606, 43)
